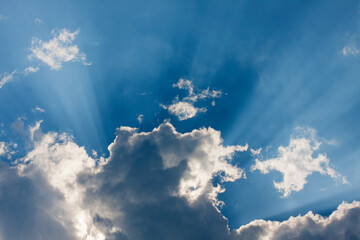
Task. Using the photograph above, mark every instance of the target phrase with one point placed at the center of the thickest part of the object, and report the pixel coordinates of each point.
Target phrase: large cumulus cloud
(159, 184)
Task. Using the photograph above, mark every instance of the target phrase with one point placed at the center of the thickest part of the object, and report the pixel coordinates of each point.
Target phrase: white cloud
(31, 70)
(194, 96)
(350, 50)
(163, 181)
(207, 158)
(7, 149)
(140, 118)
(256, 152)
(6, 78)
(3, 148)
(188, 164)
(35, 131)
(2, 17)
(38, 21)
(58, 50)
(94, 153)
(296, 162)
(60, 161)
(203, 95)
(343, 223)
(185, 84)
(38, 109)
(185, 108)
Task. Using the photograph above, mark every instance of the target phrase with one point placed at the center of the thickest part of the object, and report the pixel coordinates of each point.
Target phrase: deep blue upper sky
(279, 64)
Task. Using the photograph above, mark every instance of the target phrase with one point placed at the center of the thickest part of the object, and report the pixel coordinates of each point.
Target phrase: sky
(179, 119)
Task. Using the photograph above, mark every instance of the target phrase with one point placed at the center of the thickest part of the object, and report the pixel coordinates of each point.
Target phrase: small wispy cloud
(255, 152)
(38, 109)
(58, 50)
(3, 148)
(94, 153)
(350, 50)
(140, 118)
(185, 108)
(2, 17)
(7, 149)
(35, 131)
(6, 78)
(38, 21)
(31, 70)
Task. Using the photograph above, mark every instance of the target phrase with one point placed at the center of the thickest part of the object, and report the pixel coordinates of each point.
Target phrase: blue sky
(262, 73)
